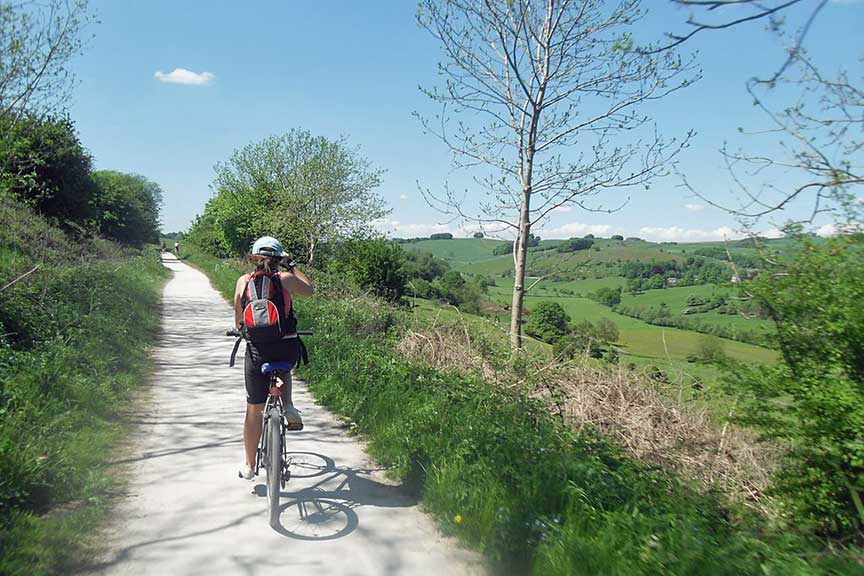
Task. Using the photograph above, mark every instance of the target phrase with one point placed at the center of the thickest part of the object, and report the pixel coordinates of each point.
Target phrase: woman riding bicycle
(268, 255)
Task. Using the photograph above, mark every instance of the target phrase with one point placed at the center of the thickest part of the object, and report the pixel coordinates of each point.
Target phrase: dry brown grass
(652, 421)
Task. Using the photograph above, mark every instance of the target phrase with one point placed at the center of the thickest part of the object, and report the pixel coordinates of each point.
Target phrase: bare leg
(285, 379)
(252, 431)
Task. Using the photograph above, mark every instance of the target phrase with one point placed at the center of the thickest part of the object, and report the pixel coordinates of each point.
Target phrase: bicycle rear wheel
(274, 463)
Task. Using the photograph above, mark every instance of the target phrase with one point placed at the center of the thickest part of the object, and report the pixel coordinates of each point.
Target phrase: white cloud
(183, 76)
(695, 207)
(403, 197)
(492, 228)
(827, 230)
(678, 234)
(772, 233)
(399, 229)
(575, 229)
(563, 208)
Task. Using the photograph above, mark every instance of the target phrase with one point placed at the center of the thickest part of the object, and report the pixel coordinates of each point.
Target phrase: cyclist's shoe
(293, 421)
(245, 472)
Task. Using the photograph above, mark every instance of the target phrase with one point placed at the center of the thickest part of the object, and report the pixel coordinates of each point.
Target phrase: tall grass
(74, 341)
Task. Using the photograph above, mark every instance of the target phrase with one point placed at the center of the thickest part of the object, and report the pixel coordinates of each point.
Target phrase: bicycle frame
(273, 401)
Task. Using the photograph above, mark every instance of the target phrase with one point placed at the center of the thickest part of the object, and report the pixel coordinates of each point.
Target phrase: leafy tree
(548, 322)
(374, 265)
(814, 398)
(607, 330)
(127, 207)
(538, 80)
(617, 237)
(711, 350)
(441, 236)
(424, 265)
(306, 190)
(575, 244)
(43, 164)
(532, 241)
(608, 296)
(501, 249)
(478, 235)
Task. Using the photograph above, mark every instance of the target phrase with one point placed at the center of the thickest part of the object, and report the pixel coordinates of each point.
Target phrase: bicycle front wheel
(274, 464)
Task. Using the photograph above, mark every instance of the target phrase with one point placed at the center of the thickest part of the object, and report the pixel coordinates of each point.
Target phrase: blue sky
(353, 69)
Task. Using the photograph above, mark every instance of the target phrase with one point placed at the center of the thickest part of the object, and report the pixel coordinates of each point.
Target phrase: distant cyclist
(267, 282)
(177, 249)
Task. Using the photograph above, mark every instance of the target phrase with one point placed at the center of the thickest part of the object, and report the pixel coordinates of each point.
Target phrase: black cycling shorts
(258, 384)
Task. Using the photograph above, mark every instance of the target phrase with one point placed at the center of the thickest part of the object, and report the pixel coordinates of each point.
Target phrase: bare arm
(297, 282)
(238, 295)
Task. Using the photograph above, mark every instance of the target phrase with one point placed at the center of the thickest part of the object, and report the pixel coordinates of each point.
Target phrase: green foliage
(477, 235)
(533, 495)
(308, 191)
(441, 236)
(456, 290)
(127, 207)
(424, 265)
(374, 266)
(607, 330)
(547, 322)
(502, 249)
(44, 165)
(814, 400)
(608, 296)
(711, 350)
(75, 336)
(576, 244)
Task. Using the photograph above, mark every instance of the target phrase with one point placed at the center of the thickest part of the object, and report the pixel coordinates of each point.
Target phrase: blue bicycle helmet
(268, 246)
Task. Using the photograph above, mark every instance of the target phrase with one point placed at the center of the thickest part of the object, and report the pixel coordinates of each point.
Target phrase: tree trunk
(520, 258)
(311, 260)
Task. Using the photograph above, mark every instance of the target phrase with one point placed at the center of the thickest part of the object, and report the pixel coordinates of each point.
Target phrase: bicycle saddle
(268, 367)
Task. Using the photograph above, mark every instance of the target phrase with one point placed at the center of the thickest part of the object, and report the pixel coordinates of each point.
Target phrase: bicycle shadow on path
(325, 509)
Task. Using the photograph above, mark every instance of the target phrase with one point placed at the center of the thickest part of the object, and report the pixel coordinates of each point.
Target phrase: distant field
(640, 338)
(676, 300)
(461, 250)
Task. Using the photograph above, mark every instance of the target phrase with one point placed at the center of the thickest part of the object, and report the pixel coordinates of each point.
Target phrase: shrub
(814, 399)
(502, 249)
(373, 265)
(547, 322)
(441, 236)
(44, 165)
(711, 350)
(575, 244)
(607, 330)
(608, 296)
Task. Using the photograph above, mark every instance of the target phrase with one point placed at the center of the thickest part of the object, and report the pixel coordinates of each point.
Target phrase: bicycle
(272, 453)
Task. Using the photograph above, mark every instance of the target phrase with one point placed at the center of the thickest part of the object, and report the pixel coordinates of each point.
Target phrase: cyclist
(267, 254)
(177, 249)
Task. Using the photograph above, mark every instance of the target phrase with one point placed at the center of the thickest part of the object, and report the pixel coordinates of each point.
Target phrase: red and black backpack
(263, 304)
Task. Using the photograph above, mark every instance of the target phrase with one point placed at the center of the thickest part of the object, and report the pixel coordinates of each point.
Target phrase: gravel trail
(187, 512)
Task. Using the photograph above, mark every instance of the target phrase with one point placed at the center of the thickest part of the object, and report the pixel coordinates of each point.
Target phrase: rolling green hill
(573, 276)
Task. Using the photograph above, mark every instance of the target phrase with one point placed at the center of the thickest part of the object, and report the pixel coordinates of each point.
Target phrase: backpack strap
(234, 352)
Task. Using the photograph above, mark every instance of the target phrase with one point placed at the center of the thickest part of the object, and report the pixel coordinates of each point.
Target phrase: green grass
(642, 339)
(497, 471)
(457, 249)
(75, 340)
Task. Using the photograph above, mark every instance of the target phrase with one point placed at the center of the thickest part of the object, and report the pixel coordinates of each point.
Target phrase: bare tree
(37, 41)
(551, 94)
(817, 117)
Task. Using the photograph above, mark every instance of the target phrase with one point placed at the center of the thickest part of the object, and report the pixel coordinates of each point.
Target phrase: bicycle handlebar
(237, 334)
